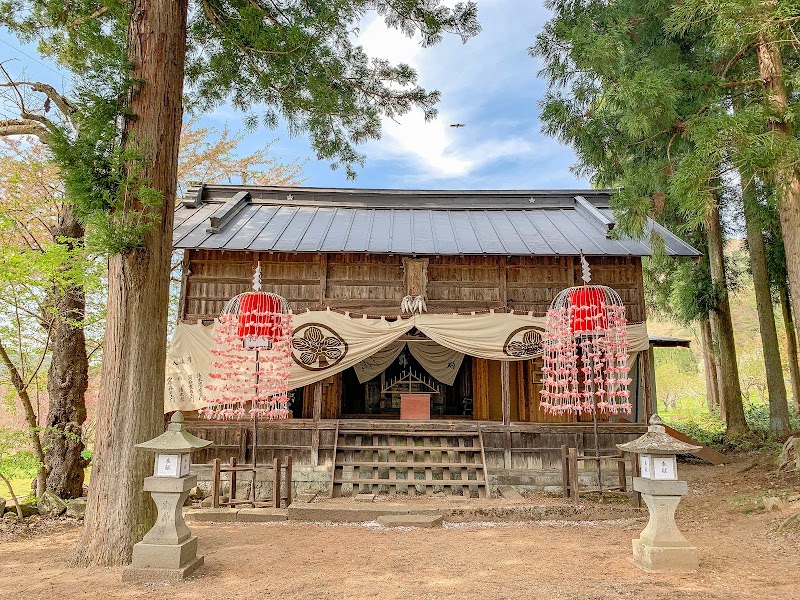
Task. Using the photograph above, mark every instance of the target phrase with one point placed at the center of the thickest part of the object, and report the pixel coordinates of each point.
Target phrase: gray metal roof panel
(412, 222)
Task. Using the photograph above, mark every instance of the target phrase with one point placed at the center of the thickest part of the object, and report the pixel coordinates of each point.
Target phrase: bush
(709, 430)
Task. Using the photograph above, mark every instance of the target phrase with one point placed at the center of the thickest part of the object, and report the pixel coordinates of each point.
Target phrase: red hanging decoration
(587, 312)
(586, 353)
(259, 318)
(252, 357)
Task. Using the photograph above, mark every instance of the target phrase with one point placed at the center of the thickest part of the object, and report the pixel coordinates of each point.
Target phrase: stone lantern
(661, 547)
(168, 551)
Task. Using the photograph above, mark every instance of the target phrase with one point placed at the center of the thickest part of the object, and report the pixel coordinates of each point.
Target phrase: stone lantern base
(655, 559)
(168, 552)
(661, 547)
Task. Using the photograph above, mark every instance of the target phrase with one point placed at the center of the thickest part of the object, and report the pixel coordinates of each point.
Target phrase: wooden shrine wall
(376, 283)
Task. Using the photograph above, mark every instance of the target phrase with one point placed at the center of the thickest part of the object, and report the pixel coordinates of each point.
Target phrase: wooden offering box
(415, 407)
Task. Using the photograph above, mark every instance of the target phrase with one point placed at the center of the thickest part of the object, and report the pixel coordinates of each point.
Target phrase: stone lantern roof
(657, 441)
(175, 439)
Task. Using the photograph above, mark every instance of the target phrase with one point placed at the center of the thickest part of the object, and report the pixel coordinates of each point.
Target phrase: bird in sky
(457, 125)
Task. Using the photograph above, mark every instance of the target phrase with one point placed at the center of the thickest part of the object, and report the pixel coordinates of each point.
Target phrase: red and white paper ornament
(252, 357)
(586, 352)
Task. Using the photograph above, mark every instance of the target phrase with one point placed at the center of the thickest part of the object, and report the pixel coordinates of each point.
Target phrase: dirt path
(741, 554)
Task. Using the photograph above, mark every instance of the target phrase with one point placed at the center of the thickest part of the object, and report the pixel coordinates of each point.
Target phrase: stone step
(357, 512)
(510, 493)
(427, 521)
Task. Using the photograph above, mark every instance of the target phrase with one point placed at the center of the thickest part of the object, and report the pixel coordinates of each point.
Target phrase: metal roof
(501, 222)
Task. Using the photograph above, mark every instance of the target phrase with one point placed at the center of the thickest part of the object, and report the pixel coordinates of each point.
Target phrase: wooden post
(276, 484)
(649, 374)
(573, 475)
(215, 466)
(564, 471)
(623, 481)
(503, 281)
(288, 480)
(323, 277)
(316, 416)
(505, 394)
(184, 284)
(232, 478)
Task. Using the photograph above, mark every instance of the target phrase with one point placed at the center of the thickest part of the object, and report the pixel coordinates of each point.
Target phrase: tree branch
(9, 127)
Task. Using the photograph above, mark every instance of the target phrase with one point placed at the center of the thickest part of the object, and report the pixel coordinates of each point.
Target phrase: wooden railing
(280, 493)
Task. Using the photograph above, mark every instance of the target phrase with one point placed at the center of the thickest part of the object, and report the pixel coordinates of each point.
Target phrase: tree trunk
(134, 352)
(730, 390)
(712, 383)
(30, 417)
(791, 345)
(785, 175)
(67, 378)
(778, 407)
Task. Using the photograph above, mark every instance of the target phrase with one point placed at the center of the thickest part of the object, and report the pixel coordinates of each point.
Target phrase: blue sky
(489, 84)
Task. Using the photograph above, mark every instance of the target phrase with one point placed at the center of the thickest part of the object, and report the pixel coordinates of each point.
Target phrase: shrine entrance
(381, 396)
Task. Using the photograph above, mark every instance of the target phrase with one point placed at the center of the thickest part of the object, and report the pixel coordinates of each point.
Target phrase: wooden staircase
(370, 461)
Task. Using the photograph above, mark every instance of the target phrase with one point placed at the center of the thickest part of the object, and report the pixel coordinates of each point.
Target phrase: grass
(21, 487)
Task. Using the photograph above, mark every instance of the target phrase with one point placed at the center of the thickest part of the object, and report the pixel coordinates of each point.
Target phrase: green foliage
(708, 429)
(16, 460)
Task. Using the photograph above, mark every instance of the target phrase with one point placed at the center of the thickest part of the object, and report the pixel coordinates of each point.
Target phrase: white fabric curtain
(374, 365)
(439, 362)
(328, 342)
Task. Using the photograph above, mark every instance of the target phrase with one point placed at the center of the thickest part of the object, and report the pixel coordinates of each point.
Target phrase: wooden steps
(409, 462)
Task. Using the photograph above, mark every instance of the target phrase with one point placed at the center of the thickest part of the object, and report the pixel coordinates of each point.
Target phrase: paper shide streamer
(586, 352)
(252, 357)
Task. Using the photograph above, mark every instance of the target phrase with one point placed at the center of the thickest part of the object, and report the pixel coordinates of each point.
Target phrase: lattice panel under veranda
(413, 463)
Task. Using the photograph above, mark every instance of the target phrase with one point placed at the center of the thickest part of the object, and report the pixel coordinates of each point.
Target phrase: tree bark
(791, 346)
(134, 353)
(712, 381)
(785, 175)
(730, 390)
(30, 417)
(67, 378)
(778, 407)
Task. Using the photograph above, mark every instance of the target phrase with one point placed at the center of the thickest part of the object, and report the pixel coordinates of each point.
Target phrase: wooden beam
(591, 212)
(227, 211)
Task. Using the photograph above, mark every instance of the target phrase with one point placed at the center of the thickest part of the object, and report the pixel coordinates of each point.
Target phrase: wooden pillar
(648, 373)
(316, 416)
(276, 483)
(323, 277)
(480, 389)
(503, 281)
(215, 477)
(505, 396)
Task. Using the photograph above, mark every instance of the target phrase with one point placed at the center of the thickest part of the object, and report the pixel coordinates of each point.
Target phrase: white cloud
(434, 150)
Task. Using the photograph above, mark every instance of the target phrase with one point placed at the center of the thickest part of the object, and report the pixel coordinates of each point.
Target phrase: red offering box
(415, 407)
